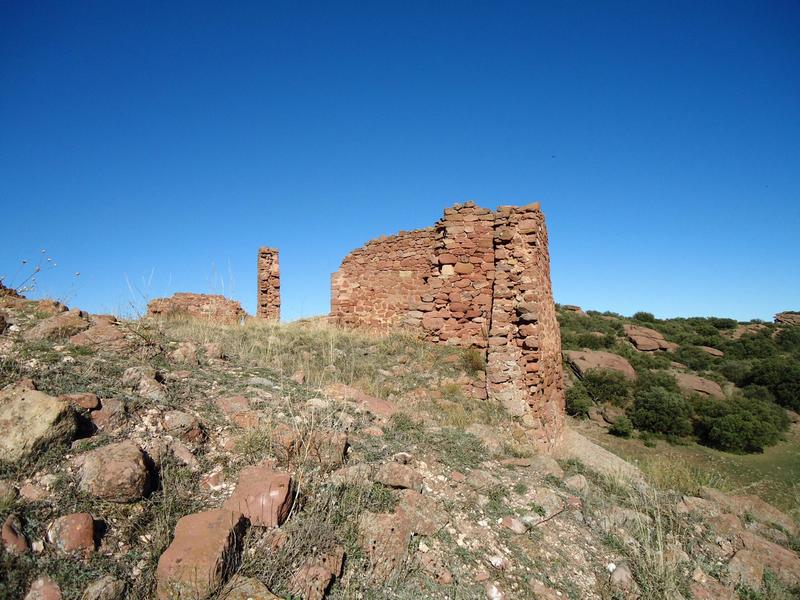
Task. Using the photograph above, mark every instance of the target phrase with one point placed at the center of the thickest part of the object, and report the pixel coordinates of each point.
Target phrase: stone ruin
(480, 279)
(211, 307)
(268, 304)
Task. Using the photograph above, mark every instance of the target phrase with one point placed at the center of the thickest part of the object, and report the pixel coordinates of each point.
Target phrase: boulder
(182, 425)
(312, 579)
(759, 509)
(694, 384)
(30, 421)
(583, 360)
(262, 495)
(204, 552)
(712, 351)
(247, 588)
(14, 540)
(72, 533)
(85, 400)
(62, 325)
(645, 339)
(117, 473)
(111, 414)
(210, 307)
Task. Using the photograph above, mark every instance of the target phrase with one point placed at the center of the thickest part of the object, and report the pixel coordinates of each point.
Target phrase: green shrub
(595, 342)
(755, 345)
(789, 339)
(644, 317)
(781, 376)
(578, 401)
(736, 371)
(661, 410)
(739, 424)
(694, 358)
(603, 385)
(621, 427)
(648, 380)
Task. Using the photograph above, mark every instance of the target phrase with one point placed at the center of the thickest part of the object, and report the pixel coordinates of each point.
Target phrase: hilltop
(309, 461)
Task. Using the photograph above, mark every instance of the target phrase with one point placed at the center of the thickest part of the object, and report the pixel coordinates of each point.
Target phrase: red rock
(85, 400)
(73, 533)
(423, 513)
(44, 588)
(648, 340)
(231, 405)
(376, 406)
(268, 305)
(313, 578)
(13, 537)
(247, 588)
(32, 492)
(514, 525)
(62, 325)
(712, 351)
(110, 415)
(583, 361)
(395, 475)
(326, 448)
(104, 334)
(694, 384)
(182, 425)
(384, 540)
(262, 495)
(116, 473)
(202, 555)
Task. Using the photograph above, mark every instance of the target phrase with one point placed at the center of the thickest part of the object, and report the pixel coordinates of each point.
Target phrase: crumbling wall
(383, 285)
(478, 278)
(212, 307)
(268, 303)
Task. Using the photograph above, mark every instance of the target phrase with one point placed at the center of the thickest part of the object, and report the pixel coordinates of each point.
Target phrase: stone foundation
(211, 307)
(478, 278)
(268, 304)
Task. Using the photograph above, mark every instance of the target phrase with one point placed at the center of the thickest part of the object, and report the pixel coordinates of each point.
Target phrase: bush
(644, 317)
(739, 424)
(694, 358)
(621, 427)
(789, 339)
(661, 410)
(603, 385)
(781, 376)
(656, 379)
(578, 401)
(595, 342)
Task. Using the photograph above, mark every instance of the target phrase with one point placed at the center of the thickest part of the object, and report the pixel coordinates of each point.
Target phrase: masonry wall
(478, 278)
(268, 302)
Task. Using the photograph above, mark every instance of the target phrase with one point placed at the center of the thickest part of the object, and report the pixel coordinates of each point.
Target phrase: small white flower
(611, 567)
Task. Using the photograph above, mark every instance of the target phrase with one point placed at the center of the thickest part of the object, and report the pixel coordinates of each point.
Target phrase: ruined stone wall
(268, 303)
(384, 284)
(478, 278)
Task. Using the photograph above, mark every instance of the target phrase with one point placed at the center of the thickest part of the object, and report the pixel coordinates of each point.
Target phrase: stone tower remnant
(478, 278)
(268, 305)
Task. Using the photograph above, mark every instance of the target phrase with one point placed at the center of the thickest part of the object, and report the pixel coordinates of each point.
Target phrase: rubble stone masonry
(478, 278)
(268, 304)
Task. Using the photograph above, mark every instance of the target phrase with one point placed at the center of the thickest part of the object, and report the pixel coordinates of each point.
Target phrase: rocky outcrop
(716, 353)
(645, 339)
(789, 317)
(215, 308)
(694, 384)
(262, 495)
(30, 421)
(585, 360)
(104, 333)
(62, 325)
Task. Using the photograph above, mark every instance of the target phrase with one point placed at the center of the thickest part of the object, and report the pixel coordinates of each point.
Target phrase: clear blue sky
(165, 142)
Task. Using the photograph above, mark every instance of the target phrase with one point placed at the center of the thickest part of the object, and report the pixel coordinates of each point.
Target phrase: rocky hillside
(174, 458)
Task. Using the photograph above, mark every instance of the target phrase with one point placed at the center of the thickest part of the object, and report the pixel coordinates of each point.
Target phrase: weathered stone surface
(326, 448)
(182, 425)
(186, 352)
(645, 339)
(103, 334)
(789, 317)
(424, 514)
(597, 458)
(14, 540)
(262, 495)
(44, 588)
(105, 588)
(712, 351)
(373, 405)
(202, 555)
(546, 465)
(210, 307)
(384, 539)
(85, 400)
(62, 325)
(247, 588)
(584, 360)
(694, 384)
(111, 415)
(117, 473)
(751, 504)
(72, 533)
(268, 302)
(313, 578)
(30, 421)
(395, 475)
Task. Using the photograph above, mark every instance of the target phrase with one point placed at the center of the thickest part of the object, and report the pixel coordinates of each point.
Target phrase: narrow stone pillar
(269, 285)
